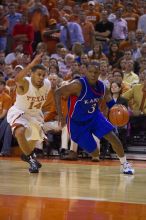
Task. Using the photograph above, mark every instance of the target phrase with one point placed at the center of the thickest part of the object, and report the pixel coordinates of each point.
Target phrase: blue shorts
(82, 132)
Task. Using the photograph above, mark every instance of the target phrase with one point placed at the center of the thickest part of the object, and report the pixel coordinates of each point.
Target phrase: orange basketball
(119, 115)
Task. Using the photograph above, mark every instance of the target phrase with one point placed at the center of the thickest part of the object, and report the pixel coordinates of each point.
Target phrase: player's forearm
(20, 76)
(58, 102)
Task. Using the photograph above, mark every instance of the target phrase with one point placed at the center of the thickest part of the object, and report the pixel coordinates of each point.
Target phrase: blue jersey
(84, 117)
(85, 107)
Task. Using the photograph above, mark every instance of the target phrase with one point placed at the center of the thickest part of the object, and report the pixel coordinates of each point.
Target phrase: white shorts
(32, 122)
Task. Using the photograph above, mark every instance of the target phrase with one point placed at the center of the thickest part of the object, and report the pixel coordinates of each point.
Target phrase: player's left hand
(61, 121)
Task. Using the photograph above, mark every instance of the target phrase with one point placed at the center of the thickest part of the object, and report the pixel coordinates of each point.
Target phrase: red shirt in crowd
(26, 29)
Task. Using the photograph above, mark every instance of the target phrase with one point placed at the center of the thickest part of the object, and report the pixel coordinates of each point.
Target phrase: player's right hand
(37, 59)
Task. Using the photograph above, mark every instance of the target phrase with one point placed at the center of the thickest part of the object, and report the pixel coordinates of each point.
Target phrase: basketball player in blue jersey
(84, 117)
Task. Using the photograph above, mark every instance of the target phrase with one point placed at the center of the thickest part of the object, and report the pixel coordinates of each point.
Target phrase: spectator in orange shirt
(88, 31)
(5, 101)
(131, 17)
(38, 17)
(11, 85)
(92, 15)
(85, 6)
(117, 4)
(127, 44)
(5, 129)
(3, 29)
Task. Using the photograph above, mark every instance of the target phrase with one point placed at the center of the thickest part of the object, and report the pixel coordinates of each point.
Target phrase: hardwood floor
(71, 191)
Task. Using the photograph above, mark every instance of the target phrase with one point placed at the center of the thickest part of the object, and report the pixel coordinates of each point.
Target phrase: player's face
(38, 78)
(92, 74)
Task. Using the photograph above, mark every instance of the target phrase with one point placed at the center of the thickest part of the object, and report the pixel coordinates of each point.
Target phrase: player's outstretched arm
(20, 76)
(73, 88)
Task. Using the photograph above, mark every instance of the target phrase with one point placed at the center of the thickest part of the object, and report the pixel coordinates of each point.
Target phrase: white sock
(123, 160)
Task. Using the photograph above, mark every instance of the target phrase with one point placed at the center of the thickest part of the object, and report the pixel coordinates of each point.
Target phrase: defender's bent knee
(19, 132)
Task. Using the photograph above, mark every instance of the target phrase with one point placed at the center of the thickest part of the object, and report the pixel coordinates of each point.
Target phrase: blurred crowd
(70, 34)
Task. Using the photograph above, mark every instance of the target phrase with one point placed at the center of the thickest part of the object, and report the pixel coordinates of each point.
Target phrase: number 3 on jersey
(92, 109)
(34, 105)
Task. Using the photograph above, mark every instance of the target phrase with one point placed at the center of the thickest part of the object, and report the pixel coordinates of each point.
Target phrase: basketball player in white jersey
(25, 116)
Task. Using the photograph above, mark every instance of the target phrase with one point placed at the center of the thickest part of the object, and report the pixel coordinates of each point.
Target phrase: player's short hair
(38, 66)
(94, 63)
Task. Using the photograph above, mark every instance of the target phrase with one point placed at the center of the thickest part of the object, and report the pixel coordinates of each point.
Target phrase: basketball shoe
(95, 159)
(126, 168)
(63, 152)
(33, 165)
(71, 156)
(33, 155)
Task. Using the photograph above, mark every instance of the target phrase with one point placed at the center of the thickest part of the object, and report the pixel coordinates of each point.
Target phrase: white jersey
(27, 111)
(33, 100)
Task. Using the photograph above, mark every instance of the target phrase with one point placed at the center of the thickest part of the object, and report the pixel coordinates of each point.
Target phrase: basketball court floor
(79, 190)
